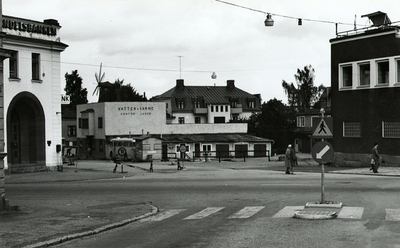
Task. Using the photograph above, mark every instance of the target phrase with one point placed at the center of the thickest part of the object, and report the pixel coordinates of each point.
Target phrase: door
(222, 150)
(241, 151)
(260, 150)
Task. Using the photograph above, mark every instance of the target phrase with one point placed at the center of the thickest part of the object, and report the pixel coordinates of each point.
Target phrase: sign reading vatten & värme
(129, 110)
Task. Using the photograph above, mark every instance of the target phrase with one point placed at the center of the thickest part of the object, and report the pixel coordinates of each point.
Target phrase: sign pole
(322, 184)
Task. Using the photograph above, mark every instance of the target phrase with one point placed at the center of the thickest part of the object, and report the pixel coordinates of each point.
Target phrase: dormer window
(181, 104)
(252, 104)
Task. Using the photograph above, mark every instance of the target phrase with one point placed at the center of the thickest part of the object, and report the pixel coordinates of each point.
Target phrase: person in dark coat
(375, 158)
(290, 159)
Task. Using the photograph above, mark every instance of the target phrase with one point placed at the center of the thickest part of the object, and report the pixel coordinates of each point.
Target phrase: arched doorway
(25, 133)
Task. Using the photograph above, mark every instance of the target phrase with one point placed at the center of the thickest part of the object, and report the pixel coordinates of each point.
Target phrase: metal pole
(322, 184)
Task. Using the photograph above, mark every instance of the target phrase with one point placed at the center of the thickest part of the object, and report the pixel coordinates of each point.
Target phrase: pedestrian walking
(375, 159)
(290, 159)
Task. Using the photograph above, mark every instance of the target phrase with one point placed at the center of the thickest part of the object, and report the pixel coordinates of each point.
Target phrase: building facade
(99, 123)
(208, 104)
(365, 71)
(32, 89)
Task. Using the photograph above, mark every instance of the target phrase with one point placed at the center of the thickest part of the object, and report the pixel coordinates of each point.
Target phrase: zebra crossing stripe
(246, 212)
(204, 213)
(392, 215)
(288, 211)
(351, 213)
(165, 215)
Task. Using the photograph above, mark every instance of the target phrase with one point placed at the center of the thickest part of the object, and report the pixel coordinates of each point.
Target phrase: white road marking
(246, 212)
(165, 215)
(351, 213)
(392, 215)
(204, 213)
(288, 211)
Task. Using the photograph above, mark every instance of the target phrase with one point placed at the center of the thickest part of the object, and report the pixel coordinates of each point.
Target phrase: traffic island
(315, 215)
(326, 204)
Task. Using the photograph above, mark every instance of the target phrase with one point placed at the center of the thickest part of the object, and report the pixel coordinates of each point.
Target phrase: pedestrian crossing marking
(288, 211)
(246, 212)
(392, 215)
(351, 213)
(204, 213)
(165, 215)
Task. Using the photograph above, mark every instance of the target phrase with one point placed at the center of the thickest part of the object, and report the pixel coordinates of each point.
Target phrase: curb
(315, 215)
(324, 205)
(93, 232)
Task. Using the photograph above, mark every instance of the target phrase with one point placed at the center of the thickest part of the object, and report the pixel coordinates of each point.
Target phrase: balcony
(200, 111)
(237, 110)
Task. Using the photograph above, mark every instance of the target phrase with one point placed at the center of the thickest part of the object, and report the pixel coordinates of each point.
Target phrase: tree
(73, 88)
(118, 92)
(304, 95)
(273, 122)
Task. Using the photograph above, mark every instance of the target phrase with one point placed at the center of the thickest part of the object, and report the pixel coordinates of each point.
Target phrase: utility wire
(285, 16)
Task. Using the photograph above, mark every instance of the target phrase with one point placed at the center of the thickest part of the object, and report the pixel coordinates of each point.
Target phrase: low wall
(362, 160)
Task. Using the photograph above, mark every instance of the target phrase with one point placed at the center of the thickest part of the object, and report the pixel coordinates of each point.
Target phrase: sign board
(322, 128)
(182, 148)
(322, 152)
(65, 99)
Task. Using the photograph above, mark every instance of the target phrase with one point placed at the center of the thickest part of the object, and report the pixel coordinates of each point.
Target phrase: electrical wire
(285, 16)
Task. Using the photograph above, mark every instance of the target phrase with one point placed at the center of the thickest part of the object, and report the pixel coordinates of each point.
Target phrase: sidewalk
(70, 219)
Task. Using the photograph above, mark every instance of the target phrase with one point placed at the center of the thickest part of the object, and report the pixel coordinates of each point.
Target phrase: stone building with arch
(32, 93)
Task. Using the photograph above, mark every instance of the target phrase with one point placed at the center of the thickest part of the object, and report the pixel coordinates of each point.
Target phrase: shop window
(347, 75)
(391, 129)
(35, 66)
(71, 131)
(197, 119)
(14, 65)
(352, 129)
(364, 74)
(181, 120)
(383, 72)
(100, 122)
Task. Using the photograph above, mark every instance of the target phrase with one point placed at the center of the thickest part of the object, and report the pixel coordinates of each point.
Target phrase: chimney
(230, 84)
(179, 84)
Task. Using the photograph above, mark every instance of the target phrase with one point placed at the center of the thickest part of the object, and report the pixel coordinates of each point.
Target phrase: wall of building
(369, 105)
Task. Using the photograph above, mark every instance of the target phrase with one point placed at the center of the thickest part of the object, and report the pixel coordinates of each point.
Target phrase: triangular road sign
(322, 130)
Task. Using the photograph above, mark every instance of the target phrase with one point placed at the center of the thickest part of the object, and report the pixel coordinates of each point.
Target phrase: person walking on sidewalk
(375, 158)
(290, 159)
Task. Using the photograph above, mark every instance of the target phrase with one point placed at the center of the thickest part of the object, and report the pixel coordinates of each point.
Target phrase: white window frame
(342, 74)
(301, 121)
(351, 133)
(359, 79)
(387, 77)
(391, 129)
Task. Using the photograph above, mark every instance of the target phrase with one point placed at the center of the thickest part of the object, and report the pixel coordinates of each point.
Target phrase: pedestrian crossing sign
(323, 128)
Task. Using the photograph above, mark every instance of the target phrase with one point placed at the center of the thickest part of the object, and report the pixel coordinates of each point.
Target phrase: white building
(32, 88)
(98, 123)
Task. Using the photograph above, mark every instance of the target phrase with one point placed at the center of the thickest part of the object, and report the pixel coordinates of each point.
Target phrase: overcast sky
(141, 41)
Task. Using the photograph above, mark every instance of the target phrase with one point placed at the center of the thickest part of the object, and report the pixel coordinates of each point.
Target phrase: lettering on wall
(135, 110)
(29, 27)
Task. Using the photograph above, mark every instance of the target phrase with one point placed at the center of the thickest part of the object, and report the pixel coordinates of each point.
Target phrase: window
(347, 76)
(100, 122)
(71, 131)
(351, 129)
(197, 104)
(226, 108)
(383, 72)
(234, 104)
(216, 108)
(85, 123)
(219, 119)
(181, 104)
(391, 129)
(197, 119)
(212, 108)
(398, 71)
(364, 74)
(251, 104)
(14, 65)
(35, 66)
(301, 121)
(181, 120)
(206, 148)
(80, 123)
(222, 108)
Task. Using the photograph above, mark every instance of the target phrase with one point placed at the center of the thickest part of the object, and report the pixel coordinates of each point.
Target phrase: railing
(230, 154)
